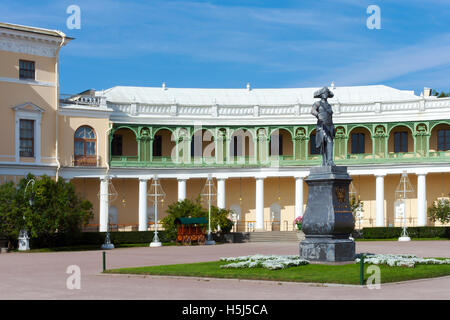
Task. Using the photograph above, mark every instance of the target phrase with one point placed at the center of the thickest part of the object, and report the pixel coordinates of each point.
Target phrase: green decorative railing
(352, 159)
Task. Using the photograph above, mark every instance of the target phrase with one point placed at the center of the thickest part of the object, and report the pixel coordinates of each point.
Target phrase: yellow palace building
(254, 143)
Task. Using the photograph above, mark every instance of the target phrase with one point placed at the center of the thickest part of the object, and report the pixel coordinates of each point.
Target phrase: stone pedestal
(328, 220)
(24, 241)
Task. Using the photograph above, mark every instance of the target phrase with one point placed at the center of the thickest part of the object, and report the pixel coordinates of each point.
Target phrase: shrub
(49, 210)
(414, 232)
(440, 210)
(98, 238)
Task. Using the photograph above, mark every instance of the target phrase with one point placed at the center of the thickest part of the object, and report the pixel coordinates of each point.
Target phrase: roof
(200, 220)
(236, 97)
(42, 31)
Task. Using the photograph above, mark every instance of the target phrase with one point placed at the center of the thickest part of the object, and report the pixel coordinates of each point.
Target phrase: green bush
(98, 238)
(440, 211)
(47, 209)
(414, 232)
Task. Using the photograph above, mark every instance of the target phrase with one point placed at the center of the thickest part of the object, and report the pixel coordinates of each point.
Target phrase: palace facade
(256, 144)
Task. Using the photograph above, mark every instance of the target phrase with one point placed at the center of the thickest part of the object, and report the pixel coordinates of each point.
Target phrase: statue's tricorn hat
(324, 90)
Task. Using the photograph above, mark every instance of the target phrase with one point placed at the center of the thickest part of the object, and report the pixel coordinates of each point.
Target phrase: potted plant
(298, 223)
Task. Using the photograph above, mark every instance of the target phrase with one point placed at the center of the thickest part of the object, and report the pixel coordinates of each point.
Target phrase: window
(85, 150)
(312, 145)
(443, 140)
(26, 138)
(358, 145)
(116, 145)
(26, 69)
(157, 146)
(401, 141)
(276, 145)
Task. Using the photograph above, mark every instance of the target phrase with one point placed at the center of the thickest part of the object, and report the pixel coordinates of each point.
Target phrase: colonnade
(259, 198)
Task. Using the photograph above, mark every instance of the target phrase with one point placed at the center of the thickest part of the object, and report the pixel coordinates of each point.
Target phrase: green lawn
(318, 273)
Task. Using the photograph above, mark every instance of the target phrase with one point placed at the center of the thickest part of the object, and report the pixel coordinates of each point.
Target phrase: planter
(300, 235)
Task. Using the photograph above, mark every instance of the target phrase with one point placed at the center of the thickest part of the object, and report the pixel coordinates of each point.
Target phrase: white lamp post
(208, 192)
(24, 239)
(401, 193)
(156, 194)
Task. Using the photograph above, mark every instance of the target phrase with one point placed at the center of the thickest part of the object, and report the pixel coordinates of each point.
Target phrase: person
(325, 131)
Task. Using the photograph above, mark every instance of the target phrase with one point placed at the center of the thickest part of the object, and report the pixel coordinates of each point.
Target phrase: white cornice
(229, 173)
(85, 111)
(28, 43)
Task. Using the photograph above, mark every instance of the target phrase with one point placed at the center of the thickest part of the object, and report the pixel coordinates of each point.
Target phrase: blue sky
(225, 44)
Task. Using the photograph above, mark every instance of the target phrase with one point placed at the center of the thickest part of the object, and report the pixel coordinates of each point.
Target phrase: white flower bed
(272, 262)
(400, 260)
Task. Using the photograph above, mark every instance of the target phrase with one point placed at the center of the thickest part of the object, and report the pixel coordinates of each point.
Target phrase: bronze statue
(325, 131)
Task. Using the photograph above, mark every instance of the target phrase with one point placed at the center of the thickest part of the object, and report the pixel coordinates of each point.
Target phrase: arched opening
(312, 150)
(235, 210)
(440, 138)
(85, 147)
(241, 145)
(202, 144)
(124, 143)
(163, 144)
(400, 140)
(281, 143)
(359, 142)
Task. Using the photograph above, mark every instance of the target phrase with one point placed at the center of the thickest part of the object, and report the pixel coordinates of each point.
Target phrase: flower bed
(272, 262)
(400, 260)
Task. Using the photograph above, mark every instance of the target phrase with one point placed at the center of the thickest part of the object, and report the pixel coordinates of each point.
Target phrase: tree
(181, 209)
(440, 210)
(12, 210)
(194, 209)
(441, 94)
(219, 217)
(47, 210)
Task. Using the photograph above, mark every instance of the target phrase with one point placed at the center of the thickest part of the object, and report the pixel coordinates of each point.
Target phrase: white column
(181, 189)
(103, 204)
(298, 197)
(421, 199)
(380, 200)
(259, 204)
(143, 205)
(221, 193)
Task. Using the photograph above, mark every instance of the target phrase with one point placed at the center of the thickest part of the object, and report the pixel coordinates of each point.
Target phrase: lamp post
(156, 194)
(24, 239)
(209, 191)
(404, 187)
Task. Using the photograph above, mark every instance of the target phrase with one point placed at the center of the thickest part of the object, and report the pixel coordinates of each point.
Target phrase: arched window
(85, 147)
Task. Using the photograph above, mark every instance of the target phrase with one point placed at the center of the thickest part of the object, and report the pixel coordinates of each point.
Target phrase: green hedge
(97, 238)
(413, 232)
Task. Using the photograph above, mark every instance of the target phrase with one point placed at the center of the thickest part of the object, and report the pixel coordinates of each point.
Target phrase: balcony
(94, 161)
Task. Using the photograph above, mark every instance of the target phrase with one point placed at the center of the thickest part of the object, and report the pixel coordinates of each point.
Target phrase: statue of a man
(325, 131)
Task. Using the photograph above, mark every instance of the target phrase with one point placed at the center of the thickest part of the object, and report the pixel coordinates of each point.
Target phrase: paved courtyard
(43, 275)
